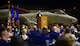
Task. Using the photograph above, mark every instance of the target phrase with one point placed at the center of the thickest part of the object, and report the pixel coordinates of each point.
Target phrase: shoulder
(3, 43)
(46, 36)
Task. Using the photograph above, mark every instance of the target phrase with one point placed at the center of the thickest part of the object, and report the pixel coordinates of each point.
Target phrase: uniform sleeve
(4, 44)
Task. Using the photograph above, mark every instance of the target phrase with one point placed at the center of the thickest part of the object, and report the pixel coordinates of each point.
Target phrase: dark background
(48, 5)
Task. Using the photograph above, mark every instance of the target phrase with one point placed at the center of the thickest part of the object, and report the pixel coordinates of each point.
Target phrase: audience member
(66, 40)
(54, 34)
(4, 37)
(44, 39)
(17, 41)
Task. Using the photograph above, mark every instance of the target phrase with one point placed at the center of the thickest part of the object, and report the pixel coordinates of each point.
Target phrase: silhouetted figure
(17, 41)
(66, 40)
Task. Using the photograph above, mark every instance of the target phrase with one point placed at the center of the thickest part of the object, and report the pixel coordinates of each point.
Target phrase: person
(68, 32)
(50, 26)
(61, 29)
(47, 29)
(37, 29)
(66, 40)
(38, 15)
(2, 26)
(78, 34)
(67, 26)
(4, 37)
(24, 32)
(44, 38)
(32, 34)
(72, 27)
(31, 29)
(54, 34)
(17, 41)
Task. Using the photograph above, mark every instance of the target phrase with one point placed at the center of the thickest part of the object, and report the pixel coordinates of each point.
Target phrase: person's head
(4, 34)
(65, 41)
(67, 31)
(23, 26)
(55, 28)
(46, 28)
(2, 26)
(35, 27)
(17, 41)
(24, 31)
(31, 28)
(62, 27)
(45, 31)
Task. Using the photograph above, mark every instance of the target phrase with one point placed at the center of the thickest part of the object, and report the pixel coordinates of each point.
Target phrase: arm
(47, 42)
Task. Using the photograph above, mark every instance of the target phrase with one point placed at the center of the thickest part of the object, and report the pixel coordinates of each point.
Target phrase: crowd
(51, 35)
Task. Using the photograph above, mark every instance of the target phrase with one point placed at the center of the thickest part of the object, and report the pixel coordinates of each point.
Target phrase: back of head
(17, 41)
(61, 42)
(2, 26)
(35, 27)
(65, 41)
(45, 31)
(55, 29)
(67, 31)
(3, 32)
(24, 31)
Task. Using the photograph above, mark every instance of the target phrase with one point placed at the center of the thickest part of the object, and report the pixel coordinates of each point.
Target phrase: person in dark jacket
(44, 38)
(17, 41)
(33, 34)
(54, 34)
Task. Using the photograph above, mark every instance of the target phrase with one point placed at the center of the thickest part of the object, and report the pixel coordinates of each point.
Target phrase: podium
(42, 21)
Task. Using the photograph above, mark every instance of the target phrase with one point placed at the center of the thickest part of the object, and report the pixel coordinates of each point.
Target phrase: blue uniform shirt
(54, 35)
(42, 39)
(4, 43)
(33, 35)
(61, 30)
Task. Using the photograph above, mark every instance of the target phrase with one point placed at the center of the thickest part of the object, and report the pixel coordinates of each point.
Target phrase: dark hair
(44, 31)
(1, 30)
(67, 31)
(17, 41)
(61, 42)
(65, 40)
